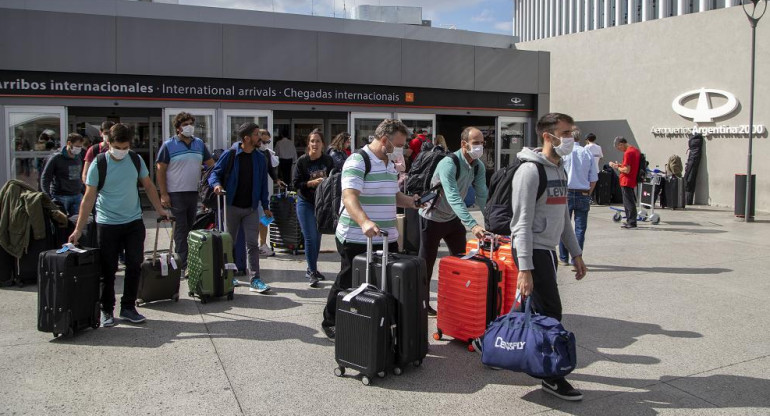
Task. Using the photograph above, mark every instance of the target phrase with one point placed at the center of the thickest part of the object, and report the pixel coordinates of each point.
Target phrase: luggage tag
(164, 264)
(69, 247)
(355, 293)
(172, 262)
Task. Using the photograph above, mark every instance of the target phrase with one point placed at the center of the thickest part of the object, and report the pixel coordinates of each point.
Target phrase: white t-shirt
(285, 149)
(595, 150)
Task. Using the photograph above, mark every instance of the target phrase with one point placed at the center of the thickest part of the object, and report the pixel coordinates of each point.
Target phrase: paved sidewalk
(671, 319)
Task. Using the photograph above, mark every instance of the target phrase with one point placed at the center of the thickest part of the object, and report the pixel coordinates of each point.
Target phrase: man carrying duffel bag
(534, 251)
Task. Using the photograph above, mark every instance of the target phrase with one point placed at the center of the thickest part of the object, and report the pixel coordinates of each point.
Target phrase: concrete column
(646, 6)
(570, 12)
(704, 5)
(607, 18)
(680, 7)
(540, 19)
(729, 3)
(618, 12)
(597, 9)
(564, 14)
(578, 16)
(552, 20)
(557, 18)
(631, 11)
(663, 9)
(547, 18)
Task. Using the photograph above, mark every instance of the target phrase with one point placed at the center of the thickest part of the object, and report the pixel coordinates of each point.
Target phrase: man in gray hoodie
(540, 223)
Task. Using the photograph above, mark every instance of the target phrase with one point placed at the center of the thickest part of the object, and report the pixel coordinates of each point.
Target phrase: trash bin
(740, 195)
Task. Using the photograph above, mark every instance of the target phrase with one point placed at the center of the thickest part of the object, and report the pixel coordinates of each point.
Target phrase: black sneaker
(131, 315)
(330, 332)
(431, 311)
(562, 389)
(628, 226)
(319, 276)
(313, 279)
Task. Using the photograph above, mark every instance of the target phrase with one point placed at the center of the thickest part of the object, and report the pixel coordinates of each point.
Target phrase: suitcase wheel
(437, 335)
(366, 381)
(417, 363)
(655, 219)
(175, 298)
(339, 371)
(203, 299)
(617, 217)
(470, 347)
(396, 370)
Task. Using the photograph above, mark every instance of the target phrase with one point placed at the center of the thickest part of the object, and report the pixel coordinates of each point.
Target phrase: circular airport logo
(703, 113)
(516, 100)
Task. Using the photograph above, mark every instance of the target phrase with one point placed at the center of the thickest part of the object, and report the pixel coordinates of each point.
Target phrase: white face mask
(566, 146)
(396, 154)
(106, 138)
(118, 154)
(263, 147)
(188, 130)
(76, 150)
(477, 150)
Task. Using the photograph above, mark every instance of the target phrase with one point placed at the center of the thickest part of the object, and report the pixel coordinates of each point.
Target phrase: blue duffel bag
(529, 343)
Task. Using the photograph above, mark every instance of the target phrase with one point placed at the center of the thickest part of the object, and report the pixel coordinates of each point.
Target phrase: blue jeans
(578, 205)
(71, 203)
(306, 215)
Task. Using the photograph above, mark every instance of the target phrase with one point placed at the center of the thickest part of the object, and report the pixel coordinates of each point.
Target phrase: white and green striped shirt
(378, 197)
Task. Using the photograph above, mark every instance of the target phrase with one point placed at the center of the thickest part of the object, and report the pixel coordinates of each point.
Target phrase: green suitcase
(210, 263)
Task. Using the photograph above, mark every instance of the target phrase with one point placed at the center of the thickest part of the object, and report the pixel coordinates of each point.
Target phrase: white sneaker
(266, 251)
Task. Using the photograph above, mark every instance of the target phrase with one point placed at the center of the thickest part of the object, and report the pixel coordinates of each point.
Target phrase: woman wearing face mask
(312, 168)
(61, 179)
(339, 150)
(447, 217)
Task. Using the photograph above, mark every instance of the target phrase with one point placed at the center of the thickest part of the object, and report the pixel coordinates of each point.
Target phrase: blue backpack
(533, 344)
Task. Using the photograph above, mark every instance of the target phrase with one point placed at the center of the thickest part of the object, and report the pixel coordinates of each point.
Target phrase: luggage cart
(647, 198)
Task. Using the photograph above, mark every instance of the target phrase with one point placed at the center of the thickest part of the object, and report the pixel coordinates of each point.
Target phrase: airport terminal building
(68, 65)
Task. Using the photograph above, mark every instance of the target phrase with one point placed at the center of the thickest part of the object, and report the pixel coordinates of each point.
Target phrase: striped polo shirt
(184, 163)
(378, 197)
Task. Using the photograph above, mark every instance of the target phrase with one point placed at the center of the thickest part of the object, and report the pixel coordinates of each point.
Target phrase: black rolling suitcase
(365, 330)
(673, 192)
(26, 273)
(285, 231)
(160, 273)
(68, 291)
(407, 281)
(412, 229)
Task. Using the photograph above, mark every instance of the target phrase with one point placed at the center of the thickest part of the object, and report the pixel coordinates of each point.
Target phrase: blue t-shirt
(118, 201)
(184, 163)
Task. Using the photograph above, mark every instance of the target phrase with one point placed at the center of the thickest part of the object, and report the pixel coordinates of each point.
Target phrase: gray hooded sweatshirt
(540, 224)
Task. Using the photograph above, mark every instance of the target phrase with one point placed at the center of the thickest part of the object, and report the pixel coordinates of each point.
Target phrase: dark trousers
(113, 238)
(184, 206)
(629, 203)
(545, 294)
(431, 234)
(284, 169)
(344, 280)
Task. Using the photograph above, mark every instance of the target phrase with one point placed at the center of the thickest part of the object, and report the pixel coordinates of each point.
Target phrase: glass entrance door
(301, 128)
(513, 133)
(234, 118)
(363, 126)
(33, 135)
(424, 123)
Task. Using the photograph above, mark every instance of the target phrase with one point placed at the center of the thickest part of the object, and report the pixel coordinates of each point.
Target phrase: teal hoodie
(451, 201)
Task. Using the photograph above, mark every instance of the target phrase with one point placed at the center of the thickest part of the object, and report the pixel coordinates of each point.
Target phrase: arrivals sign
(139, 87)
(703, 112)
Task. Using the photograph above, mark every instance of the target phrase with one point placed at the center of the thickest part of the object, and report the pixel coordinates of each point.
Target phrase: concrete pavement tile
(744, 386)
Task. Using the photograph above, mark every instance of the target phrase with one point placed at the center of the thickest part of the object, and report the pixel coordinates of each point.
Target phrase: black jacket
(307, 170)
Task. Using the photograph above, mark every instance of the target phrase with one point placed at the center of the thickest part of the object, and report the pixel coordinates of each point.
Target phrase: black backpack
(205, 191)
(328, 198)
(101, 167)
(424, 166)
(642, 174)
(499, 210)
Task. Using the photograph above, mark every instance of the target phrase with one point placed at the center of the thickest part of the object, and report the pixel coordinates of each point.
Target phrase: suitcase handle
(221, 206)
(157, 232)
(370, 254)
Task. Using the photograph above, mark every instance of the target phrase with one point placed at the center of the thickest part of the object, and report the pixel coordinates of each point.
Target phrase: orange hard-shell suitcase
(470, 295)
(503, 252)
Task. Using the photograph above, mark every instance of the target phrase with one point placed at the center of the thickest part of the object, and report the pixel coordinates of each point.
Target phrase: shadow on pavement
(686, 230)
(600, 268)
(733, 392)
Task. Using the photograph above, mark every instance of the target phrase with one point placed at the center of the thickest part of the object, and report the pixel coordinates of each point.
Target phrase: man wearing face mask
(119, 220)
(61, 179)
(97, 148)
(447, 217)
(179, 172)
(539, 223)
(370, 200)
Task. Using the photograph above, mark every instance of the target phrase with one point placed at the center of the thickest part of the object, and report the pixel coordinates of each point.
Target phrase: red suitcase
(470, 295)
(504, 253)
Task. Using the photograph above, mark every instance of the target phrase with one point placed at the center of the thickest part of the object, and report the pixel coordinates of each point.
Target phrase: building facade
(655, 82)
(75, 63)
(541, 19)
